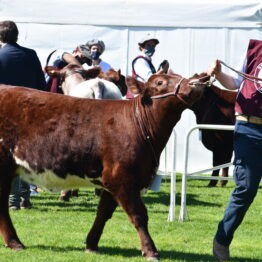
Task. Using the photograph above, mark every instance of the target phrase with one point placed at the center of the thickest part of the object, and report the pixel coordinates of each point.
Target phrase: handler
(60, 58)
(247, 144)
(97, 48)
(142, 67)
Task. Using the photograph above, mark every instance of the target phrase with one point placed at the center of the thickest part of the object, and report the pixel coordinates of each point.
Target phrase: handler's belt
(250, 119)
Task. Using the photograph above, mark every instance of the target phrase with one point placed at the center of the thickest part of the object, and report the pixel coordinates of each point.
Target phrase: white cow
(78, 82)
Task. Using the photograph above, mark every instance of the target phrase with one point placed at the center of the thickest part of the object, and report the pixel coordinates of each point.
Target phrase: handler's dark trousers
(247, 176)
(20, 190)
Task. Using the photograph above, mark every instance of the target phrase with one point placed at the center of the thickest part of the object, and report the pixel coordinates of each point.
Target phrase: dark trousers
(20, 190)
(247, 176)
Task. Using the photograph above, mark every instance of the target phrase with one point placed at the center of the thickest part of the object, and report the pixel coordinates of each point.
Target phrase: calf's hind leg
(224, 174)
(106, 208)
(213, 183)
(216, 161)
(6, 227)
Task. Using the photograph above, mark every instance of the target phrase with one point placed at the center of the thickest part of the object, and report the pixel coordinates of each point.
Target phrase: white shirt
(242, 66)
(142, 68)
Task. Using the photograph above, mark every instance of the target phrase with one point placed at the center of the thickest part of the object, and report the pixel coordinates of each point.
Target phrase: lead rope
(146, 134)
(206, 83)
(244, 75)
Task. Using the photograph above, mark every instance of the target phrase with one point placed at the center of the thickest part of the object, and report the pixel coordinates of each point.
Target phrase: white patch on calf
(48, 179)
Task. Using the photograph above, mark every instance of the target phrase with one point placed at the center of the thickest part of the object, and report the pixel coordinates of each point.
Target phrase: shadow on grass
(43, 206)
(129, 253)
(83, 203)
(164, 199)
(88, 203)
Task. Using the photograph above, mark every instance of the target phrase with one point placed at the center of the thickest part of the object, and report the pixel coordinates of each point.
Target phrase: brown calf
(61, 142)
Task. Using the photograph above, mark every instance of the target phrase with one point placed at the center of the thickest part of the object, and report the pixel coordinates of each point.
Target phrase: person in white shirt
(97, 48)
(142, 67)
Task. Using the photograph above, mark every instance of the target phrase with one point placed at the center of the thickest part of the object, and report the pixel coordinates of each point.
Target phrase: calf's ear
(52, 71)
(92, 73)
(134, 86)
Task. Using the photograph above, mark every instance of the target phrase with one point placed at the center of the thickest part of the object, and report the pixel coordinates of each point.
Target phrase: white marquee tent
(192, 34)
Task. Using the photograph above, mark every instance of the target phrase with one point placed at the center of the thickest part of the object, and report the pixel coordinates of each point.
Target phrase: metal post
(172, 206)
(183, 210)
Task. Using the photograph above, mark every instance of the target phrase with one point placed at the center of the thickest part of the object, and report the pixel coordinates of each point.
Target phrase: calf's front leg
(133, 205)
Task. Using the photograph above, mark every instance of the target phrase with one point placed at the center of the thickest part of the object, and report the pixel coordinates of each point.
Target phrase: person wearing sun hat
(97, 48)
(142, 67)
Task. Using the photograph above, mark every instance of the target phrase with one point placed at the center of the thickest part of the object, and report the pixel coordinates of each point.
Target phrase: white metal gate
(198, 175)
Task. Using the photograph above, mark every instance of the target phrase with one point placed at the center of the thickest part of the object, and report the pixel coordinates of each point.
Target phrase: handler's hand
(214, 68)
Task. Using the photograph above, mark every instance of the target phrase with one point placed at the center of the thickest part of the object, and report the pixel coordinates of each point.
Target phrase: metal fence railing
(199, 174)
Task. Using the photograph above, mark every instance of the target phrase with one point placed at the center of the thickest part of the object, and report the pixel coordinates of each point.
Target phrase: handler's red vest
(129, 95)
(249, 98)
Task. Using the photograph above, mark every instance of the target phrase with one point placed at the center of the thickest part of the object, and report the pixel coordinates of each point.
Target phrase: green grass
(55, 231)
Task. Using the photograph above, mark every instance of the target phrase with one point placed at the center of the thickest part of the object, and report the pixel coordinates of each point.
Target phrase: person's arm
(226, 80)
(69, 58)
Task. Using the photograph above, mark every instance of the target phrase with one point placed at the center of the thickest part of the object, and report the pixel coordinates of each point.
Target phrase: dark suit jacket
(20, 66)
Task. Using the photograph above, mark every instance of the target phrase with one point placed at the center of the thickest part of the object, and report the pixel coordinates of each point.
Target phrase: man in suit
(19, 66)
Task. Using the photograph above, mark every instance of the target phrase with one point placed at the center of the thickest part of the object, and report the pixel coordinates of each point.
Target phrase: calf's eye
(159, 83)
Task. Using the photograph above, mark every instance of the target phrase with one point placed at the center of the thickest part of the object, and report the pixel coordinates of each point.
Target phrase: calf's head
(186, 90)
(117, 78)
(72, 75)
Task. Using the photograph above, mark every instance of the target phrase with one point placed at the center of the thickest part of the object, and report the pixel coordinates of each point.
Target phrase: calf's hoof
(65, 195)
(64, 198)
(74, 193)
(16, 246)
(89, 250)
(223, 183)
(151, 257)
(212, 183)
